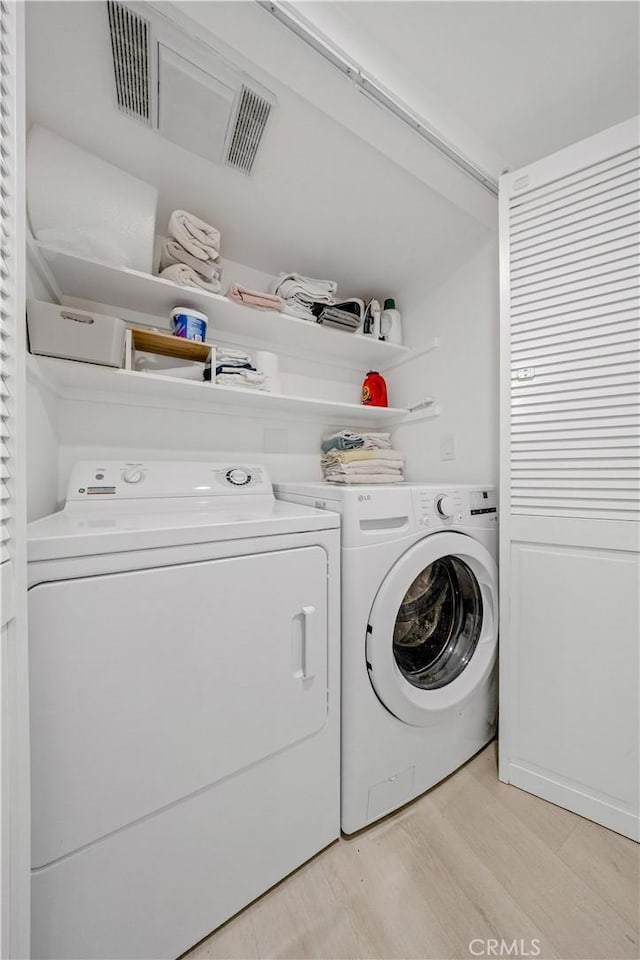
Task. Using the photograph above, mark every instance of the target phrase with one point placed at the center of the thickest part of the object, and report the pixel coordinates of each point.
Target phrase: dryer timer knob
(238, 477)
(133, 476)
(444, 506)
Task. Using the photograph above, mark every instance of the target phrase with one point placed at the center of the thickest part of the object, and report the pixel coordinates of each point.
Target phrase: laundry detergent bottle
(374, 390)
(391, 323)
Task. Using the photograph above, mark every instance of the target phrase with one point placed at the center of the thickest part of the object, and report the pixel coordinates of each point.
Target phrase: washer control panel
(483, 502)
(445, 506)
(155, 479)
(439, 508)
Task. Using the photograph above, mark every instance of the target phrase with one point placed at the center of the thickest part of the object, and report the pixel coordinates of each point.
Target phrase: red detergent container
(374, 390)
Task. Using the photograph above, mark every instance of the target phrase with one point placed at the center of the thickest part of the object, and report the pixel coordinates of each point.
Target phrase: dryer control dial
(444, 506)
(238, 478)
(133, 475)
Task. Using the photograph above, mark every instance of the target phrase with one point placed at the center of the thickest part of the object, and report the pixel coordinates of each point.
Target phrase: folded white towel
(172, 252)
(233, 380)
(364, 466)
(366, 478)
(226, 355)
(186, 277)
(353, 456)
(295, 309)
(306, 289)
(197, 237)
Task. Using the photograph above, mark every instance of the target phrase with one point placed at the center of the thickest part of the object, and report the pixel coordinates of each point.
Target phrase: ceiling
(509, 81)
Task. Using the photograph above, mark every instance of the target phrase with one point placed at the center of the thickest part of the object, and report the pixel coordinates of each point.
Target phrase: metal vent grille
(130, 49)
(251, 119)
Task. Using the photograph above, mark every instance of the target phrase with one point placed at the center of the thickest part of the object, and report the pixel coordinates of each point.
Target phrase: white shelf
(78, 381)
(100, 282)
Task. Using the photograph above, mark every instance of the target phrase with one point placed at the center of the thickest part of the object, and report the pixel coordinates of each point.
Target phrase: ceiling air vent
(177, 83)
(130, 48)
(251, 119)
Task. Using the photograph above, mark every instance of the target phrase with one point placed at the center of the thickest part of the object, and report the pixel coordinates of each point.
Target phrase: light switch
(447, 447)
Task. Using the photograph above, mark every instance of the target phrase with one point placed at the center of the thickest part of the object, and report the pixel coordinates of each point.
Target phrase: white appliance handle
(308, 642)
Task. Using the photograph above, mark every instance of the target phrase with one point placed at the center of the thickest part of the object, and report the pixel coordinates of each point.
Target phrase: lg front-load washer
(419, 635)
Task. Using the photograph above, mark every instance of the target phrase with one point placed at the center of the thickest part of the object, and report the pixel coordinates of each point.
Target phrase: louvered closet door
(14, 743)
(10, 296)
(575, 351)
(570, 478)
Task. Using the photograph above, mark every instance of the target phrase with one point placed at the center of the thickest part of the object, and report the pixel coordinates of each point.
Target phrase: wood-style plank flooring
(472, 860)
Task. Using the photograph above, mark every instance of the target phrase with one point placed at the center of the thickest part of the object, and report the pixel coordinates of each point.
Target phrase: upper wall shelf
(100, 282)
(79, 381)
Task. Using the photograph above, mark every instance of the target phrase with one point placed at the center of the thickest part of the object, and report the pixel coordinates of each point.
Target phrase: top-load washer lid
(115, 506)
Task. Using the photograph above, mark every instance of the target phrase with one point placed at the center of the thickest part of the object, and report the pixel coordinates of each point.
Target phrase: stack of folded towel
(350, 457)
(350, 440)
(235, 369)
(190, 255)
(302, 294)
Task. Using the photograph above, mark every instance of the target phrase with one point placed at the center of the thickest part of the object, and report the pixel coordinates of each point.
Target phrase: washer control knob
(133, 475)
(444, 506)
(238, 477)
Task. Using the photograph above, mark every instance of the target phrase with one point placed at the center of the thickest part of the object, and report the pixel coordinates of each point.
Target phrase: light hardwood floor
(471, 860)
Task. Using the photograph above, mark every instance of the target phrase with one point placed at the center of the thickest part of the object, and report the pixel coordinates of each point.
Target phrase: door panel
(570, 467)
(148, 686)
(14, 718)
(575, 613)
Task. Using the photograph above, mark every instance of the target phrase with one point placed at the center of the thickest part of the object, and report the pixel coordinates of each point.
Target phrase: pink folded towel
(254, 298)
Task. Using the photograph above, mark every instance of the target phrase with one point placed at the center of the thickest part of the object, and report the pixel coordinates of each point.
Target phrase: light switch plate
(447, 446)
(275, 440)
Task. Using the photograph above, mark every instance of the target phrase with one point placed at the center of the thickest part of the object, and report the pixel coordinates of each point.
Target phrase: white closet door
(14, 767)
(574, 255)
(570, 477)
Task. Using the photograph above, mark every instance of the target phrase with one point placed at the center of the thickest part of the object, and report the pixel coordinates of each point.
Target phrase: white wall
(90, 430)
(461, 373)
(42, 433)
(42, 451)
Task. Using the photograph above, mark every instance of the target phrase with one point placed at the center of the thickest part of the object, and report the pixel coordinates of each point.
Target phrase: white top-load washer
(184, 661)
(419, 635)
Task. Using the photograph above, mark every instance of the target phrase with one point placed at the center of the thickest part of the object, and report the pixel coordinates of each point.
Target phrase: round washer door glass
(438, 625)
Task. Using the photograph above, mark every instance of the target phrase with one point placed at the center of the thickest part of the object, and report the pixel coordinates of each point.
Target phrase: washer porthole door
(432, 631)
(438, 624)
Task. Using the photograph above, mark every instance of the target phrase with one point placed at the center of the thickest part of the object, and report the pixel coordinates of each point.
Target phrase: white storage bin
(71, 334)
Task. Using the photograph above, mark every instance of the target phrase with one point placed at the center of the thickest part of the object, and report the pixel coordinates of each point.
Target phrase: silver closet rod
(374, 92)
